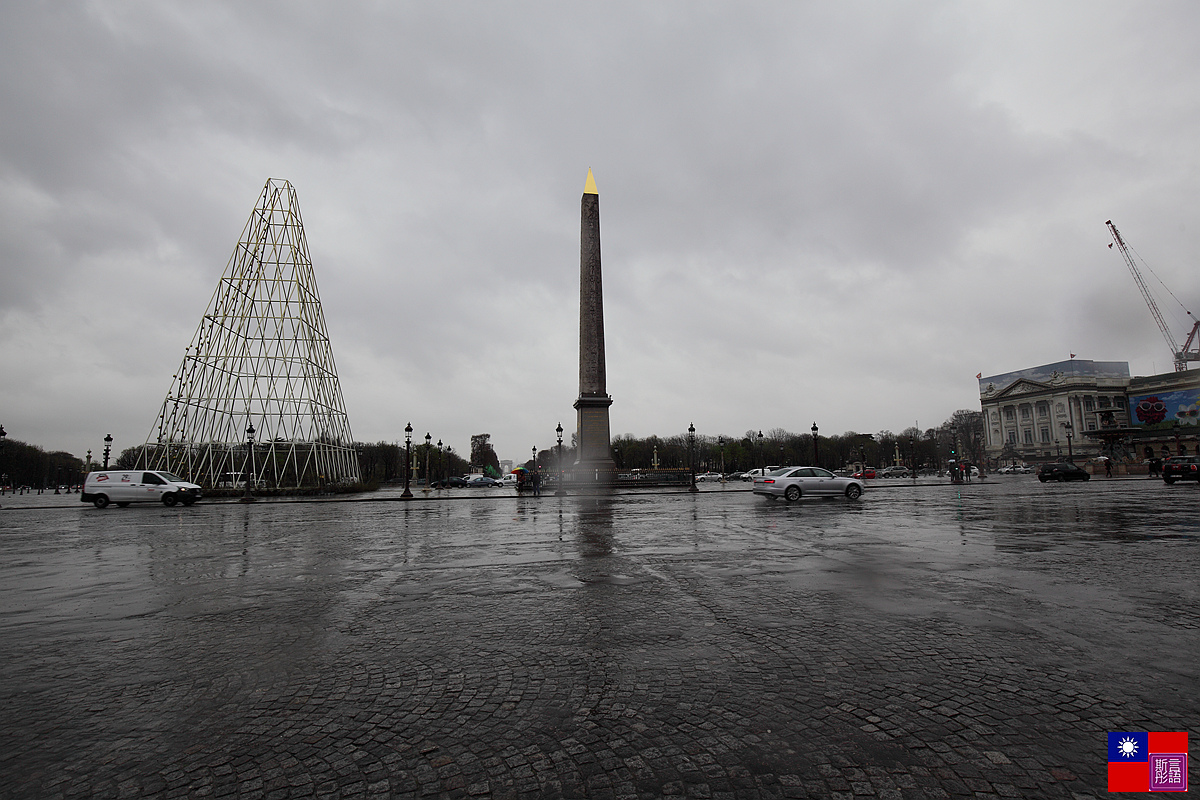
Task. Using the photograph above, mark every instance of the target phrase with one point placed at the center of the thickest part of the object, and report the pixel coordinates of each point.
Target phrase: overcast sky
(830, 212)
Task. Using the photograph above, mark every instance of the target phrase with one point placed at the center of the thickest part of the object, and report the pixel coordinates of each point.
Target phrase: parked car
(792, 483)
(509, 480)
(1062, 471)
(757, 473)
(453, 482)
(483, 481)
(137, 486)
(866, 472)
(709, 476)
(895, 472)
(735, 476)
(1181, 468)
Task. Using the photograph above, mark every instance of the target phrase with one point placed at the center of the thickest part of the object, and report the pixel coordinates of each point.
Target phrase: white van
(123, 487)
(757, 473)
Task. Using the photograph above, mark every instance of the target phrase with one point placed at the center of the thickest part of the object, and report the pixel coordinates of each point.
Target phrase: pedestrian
(1108, 467)
(537, 484)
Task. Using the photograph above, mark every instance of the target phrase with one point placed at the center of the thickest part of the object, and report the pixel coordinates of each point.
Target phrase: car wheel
(100, 501)
(1168, 480)
(123, 505)
(1042, 478)
(169, 499)
(1087, 477)
(1062, 478)
(792, 493)
(854, 491)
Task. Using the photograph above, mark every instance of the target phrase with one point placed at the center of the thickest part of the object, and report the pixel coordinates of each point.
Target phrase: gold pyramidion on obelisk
(595, 465)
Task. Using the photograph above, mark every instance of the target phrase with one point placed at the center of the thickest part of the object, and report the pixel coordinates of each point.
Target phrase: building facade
(1163, 414)
(1043, 413)
(1083, 409)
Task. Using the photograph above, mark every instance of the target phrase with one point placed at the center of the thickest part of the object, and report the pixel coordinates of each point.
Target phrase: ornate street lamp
(246, 495)
(428, 449)
(692, 457)
(561, 491)
(761, 455)
(108, 440)
(441, 466)
(816, 458)
(721, 446)
(1070, 433)
(407, 459)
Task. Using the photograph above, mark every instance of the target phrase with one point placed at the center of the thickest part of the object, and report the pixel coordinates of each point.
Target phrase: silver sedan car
(792, 483)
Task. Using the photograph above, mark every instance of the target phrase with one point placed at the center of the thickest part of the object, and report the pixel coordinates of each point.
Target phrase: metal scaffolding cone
(259, 363)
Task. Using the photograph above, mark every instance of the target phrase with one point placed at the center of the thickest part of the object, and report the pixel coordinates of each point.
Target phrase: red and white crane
(1191, 348)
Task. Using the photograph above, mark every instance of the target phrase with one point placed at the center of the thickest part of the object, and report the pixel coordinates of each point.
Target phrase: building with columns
(1086, 409)
(1041, 413)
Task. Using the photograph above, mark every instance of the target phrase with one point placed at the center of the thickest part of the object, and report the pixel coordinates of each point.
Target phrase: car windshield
(170, 477)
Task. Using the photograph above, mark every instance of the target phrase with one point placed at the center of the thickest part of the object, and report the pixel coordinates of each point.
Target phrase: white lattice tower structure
(261, 356)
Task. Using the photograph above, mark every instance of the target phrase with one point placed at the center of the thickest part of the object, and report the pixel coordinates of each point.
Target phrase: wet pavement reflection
(926, 639)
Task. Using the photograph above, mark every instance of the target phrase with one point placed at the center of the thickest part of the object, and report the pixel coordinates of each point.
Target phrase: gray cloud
(833, 212)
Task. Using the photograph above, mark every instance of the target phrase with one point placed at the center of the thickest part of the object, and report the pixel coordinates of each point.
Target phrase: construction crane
(1181, 355)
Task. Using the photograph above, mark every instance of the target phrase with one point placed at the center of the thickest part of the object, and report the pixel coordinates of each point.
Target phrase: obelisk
(595, 464)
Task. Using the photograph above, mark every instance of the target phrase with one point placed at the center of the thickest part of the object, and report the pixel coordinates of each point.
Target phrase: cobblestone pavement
(927, 641)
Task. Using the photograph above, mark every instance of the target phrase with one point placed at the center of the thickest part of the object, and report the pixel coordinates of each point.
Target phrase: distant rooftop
(1075, 367)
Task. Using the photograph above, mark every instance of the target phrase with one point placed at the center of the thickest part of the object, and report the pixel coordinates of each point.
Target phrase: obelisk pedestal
(594, 465)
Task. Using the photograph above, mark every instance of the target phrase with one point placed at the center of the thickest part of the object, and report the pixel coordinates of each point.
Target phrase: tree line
(960, 437)
(29, 465)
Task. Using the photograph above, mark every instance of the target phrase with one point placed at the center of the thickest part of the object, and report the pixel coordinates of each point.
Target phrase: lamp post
(4, 478)
(692, 458)
(407, 459)
(1057, 449)
(108, 440)
(560, 492)
(1070, 433)
(816, 453)
(761, 456)
(721, 447)
(441, 467)
(246, 495)
(428, 448)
